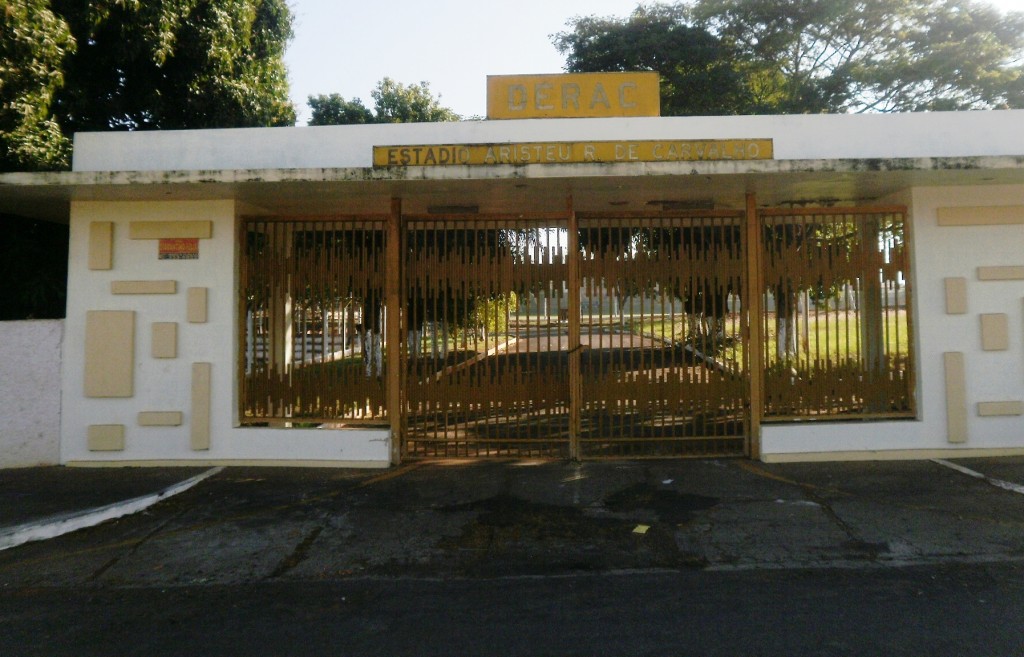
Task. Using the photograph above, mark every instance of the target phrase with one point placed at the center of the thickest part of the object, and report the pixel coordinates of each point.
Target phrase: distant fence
(30, 361)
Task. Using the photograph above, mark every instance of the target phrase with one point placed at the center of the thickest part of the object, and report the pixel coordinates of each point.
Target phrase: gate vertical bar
(754, 349)
(393, 302)
(575, 382)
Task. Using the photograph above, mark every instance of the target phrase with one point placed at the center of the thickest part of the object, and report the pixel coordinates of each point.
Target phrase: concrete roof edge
(71, 179)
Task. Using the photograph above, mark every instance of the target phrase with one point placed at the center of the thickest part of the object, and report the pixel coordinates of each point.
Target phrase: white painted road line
(1007, 485)
(65, 523)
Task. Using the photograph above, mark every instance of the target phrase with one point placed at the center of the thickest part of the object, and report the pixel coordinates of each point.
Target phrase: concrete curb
(65, 523)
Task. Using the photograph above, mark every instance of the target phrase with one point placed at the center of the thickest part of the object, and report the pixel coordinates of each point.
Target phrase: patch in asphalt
(511, 535)
(670, 506)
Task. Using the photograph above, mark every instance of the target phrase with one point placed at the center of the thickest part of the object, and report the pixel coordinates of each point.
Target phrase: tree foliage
(33, 45)
(335, 110)
(394, 102)
(814, 55)
(697, 73)
(175, 64)
(68, 65)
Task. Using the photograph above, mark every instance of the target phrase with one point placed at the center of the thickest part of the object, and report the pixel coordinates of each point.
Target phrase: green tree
(818, 55)
(33, 45)
(698, 75)
(412, 103)
(875, 55)
(68, 65)
(335, 110)
(394, 102)
(175, 64)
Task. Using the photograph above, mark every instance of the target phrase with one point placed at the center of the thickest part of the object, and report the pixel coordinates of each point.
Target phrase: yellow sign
(573, 152)
(573, 95)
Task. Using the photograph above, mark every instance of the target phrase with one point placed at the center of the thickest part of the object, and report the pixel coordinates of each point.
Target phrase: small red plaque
(179, 248)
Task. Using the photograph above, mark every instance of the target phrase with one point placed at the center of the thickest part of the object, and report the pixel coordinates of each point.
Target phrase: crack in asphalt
(113, 561)
(298, 555)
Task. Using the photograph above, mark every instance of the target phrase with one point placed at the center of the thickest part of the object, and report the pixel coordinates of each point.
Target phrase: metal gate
(311, 346)
(662, 335)
(485, 325)
(837, 322)
(576, 335)
(620, 336)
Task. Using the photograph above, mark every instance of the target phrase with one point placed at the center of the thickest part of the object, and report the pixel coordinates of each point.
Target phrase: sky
(348, 47)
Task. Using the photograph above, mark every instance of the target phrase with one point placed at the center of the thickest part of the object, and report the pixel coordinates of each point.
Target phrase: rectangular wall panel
(1006, 273)
(197, 305)
(143, 287)
(995, 332)
(199, 427)
(101, 245)
(109, 353)
(160, 419)
(156, 230)
(956, 296)
(997, 408)
(165, 340)
(982, 216)
(956, 397)
(106, 437)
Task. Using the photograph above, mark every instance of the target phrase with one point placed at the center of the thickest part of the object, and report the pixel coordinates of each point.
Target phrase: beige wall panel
(956, 397)
(101, 245)
(155, 230)
(991, 409)
(160, 419)
(981, 216)
(197, 304)
(956, 296)
(200, 421)
(109, 353)
(144, 287)
(165, 340)
(995, 332)
(1014, 273)
(106, 437)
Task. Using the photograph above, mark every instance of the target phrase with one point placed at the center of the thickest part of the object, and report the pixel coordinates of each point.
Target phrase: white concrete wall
(939, 253)
(819, 136)
(30, 392)
(165, 384)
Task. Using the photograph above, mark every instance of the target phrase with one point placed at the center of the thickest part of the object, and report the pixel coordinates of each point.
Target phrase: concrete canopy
(818, 159)
(504, 188)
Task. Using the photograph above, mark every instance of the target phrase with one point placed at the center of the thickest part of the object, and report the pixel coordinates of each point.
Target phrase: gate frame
(754, 300)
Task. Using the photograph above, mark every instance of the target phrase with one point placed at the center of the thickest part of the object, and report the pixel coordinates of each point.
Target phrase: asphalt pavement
(705, 557)
(473, 519)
